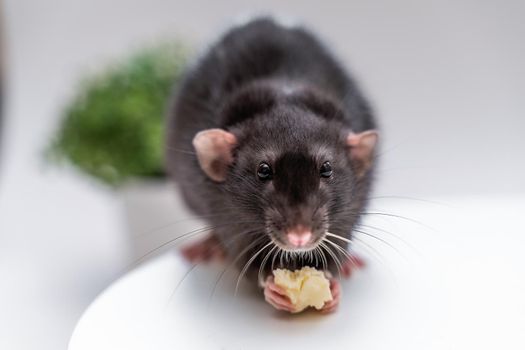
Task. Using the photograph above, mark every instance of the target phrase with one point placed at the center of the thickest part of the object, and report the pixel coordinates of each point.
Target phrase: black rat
(272, 144)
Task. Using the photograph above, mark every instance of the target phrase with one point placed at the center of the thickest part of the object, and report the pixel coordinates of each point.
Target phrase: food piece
(305, 287)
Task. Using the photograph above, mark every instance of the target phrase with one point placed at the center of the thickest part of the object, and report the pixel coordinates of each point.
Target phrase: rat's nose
(299, 236)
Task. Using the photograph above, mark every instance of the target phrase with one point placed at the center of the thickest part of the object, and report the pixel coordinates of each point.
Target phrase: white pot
(154, 215)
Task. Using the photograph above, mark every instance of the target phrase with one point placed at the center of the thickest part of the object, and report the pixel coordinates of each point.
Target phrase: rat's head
(293, 173)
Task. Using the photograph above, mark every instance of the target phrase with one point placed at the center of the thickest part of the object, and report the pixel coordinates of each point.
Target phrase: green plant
(113, 129)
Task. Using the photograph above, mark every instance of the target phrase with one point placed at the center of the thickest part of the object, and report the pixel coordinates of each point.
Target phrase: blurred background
(447, 80)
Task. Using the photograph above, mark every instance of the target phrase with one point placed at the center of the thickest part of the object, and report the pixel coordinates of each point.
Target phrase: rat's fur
(290, 104)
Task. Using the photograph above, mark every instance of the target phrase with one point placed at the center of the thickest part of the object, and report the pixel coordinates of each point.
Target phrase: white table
(461, 285)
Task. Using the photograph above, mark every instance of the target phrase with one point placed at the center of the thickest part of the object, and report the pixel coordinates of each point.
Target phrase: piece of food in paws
(305, 287)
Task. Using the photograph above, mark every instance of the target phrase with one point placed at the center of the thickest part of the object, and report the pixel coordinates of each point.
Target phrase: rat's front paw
(335, 289)
(276, 296)
(351, 264)
(209, 249)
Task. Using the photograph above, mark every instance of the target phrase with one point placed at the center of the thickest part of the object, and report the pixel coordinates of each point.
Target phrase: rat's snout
(299, 236)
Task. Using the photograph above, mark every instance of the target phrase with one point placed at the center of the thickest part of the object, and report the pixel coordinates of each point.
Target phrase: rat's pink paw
(351, 264)
(276, 297)
(208, 249)
(335, 288)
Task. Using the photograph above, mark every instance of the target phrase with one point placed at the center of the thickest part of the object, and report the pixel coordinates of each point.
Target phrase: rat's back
(259, 51)
(263, 49)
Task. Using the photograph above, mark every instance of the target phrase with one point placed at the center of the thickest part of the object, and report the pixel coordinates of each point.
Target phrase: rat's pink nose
(299, 236)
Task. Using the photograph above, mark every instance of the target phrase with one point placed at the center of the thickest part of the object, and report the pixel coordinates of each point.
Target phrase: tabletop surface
(446, 276)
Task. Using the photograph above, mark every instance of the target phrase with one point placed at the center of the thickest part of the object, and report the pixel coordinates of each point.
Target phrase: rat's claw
(276, 297)
(351, 264)
(335, 288)
(206, 250)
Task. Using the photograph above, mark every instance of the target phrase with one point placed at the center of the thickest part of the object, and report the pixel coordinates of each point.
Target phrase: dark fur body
(290, 104)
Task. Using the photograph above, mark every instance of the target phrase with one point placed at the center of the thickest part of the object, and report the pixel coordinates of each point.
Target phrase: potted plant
(113, 130)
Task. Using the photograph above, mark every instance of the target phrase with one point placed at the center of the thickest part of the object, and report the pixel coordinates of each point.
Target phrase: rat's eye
(326, 170)
(264, 172)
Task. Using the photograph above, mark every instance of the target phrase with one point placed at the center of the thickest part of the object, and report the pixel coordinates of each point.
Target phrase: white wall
(446, 77)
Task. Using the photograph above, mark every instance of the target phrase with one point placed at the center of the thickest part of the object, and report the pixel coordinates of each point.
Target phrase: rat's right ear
(214, 151)
(362, 148)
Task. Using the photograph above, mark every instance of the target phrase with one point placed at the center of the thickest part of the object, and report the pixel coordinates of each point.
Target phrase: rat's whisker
(334, 257)
(323, 258)
(275, 256)
(340, 249)
(351, 258)
(347, 253)
(382, 153)
(410, 198)
(183, 151)
(330, 234)
(367, 234)
(391, 234)
(186, 235)
(382, 241)
(186, 274)
(376, 256)
(315, 257)
(173, 240)
(400, 217)
(219, 244)
(263, 263)
(224, 214)
(244, 251)
(247, 265)
(315, 254)
(373, 253)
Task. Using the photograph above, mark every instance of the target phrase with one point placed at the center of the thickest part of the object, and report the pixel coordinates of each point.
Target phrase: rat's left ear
(214, 151)
(362, 146)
